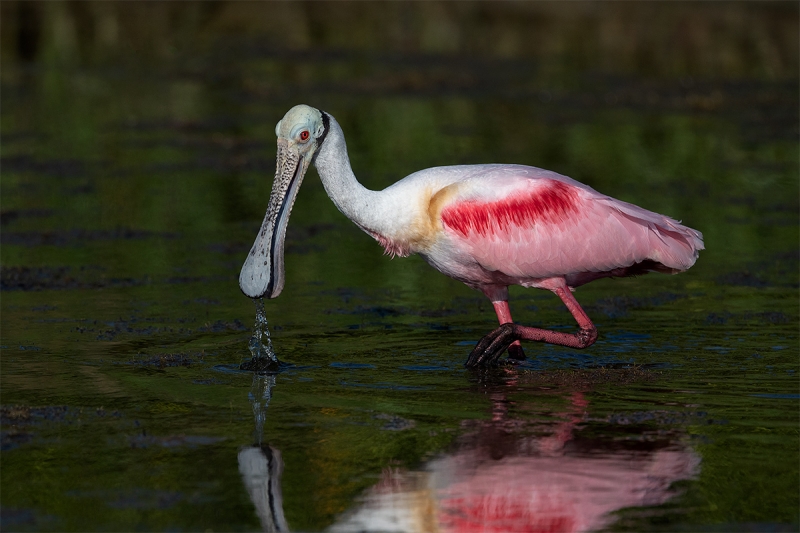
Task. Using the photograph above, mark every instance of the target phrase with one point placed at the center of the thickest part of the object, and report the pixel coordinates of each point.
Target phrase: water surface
(130, 196)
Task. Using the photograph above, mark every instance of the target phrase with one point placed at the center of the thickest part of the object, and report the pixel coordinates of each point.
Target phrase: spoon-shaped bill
(262, 274)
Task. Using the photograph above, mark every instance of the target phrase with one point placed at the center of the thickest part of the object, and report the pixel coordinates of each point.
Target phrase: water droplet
(261, 343)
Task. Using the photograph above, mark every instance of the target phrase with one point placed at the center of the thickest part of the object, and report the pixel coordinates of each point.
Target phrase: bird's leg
(491, 347)
(515, 350)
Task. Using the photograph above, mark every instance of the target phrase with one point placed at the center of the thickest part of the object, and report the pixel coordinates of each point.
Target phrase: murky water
(130, 196)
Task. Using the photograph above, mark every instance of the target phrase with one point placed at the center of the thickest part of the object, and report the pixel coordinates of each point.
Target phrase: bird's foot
(491, 347)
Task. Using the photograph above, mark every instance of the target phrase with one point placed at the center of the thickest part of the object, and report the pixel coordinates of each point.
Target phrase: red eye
(304, 135)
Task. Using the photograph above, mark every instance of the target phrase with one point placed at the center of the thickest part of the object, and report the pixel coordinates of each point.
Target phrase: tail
(673, 247)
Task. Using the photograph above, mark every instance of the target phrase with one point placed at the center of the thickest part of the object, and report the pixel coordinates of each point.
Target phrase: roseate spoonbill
(489, 226)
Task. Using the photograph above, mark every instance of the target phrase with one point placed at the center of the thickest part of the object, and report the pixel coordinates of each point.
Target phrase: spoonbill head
(299, 133)
(488, 226)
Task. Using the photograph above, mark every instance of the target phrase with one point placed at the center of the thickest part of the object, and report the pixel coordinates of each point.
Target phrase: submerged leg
(491, 347)
(515, 350)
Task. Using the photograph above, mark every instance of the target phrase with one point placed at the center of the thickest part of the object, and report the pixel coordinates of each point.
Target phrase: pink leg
(585, 337)
(489, 349)
(554, 444)
(515, 350)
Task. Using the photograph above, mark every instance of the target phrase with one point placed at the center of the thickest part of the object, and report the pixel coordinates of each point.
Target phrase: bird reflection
(260, 396)
(261, 465)
(509, 475)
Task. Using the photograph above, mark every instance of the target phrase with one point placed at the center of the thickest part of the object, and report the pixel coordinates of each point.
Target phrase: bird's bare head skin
(302, 128)
(300, 133)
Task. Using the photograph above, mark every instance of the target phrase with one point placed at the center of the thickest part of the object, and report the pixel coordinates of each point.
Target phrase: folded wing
(534, 225)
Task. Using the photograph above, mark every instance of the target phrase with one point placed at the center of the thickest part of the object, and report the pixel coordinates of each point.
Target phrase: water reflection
(507, 474)
(260, 396)
(561, 472)
(261, 465)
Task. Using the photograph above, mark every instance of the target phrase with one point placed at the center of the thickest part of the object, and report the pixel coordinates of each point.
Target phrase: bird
(487, 225)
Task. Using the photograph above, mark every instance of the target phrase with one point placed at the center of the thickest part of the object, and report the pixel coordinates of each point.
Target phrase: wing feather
(540, 224)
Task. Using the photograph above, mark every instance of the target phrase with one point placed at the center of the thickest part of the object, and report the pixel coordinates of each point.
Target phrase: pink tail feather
(671, 244)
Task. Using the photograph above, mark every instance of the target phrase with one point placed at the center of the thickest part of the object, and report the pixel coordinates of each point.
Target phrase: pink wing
(531, 223)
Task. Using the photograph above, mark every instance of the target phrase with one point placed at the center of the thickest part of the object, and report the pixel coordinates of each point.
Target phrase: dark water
(132, 191)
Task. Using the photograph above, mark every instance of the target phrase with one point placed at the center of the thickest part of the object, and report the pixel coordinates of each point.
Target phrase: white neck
(355, 201)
